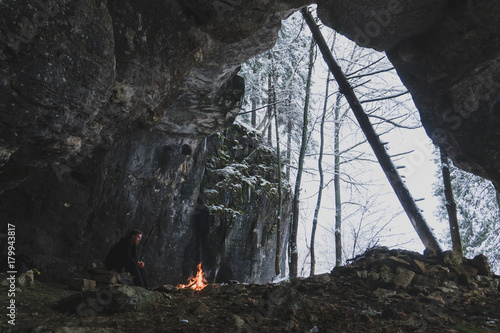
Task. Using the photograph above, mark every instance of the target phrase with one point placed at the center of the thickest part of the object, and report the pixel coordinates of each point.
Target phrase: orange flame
(198, 282)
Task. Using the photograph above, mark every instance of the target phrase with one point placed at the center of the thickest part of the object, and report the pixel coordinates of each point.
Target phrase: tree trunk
(254, 112)
(451, 206)
(269, 107)
(404, 196)
(294, 254)
(321, 178)
(280, 199)
(498, 199)
(336, 183)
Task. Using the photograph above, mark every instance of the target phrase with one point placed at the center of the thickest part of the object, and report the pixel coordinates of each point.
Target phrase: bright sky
(419, 175)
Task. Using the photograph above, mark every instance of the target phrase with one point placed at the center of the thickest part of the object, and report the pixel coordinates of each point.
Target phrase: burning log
(197, 283)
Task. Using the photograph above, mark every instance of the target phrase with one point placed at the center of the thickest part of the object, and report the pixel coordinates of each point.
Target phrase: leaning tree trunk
(402, 192)
(451, 206)
(294, 253)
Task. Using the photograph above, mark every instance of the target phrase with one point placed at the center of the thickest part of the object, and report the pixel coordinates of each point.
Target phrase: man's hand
(140, 264)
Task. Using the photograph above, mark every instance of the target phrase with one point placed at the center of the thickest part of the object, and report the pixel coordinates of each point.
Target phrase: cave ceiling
(77, 76)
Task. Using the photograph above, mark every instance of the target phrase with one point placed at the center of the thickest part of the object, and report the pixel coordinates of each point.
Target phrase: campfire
(196, 283)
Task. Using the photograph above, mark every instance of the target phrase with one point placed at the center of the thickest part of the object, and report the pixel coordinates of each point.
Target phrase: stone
(386, 274)
(480, 262)
(397, 262)
(375, 276)
(81, 284)
(418, 266)
(403, 277)
(231, 289)
(362, 274)
(321, 278)
(26, 279)
(240, 323)
(452, 258)
(384, 293)
(436, 297)
(286, 300)
(125, 278)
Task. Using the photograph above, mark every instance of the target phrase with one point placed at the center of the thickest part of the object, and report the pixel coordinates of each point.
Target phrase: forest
(346, 205)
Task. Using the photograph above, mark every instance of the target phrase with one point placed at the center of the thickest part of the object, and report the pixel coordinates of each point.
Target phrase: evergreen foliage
(478, 214)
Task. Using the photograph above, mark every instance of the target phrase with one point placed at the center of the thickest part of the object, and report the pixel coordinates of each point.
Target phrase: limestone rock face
(81, 75)
(447, 55)
(67, 219)
(104, 111)
(240, 188)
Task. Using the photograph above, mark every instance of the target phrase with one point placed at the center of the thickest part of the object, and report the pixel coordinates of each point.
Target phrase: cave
(109, 108)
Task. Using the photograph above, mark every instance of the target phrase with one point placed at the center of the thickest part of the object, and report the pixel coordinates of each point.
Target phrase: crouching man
(123, 256)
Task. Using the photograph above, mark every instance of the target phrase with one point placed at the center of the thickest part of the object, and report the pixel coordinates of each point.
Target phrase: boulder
(26, 279)
(113, 299)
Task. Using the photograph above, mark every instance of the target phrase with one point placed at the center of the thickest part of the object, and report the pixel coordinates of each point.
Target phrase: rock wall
(104, 109)
(67, 220)
(240, 189)
(80, 75)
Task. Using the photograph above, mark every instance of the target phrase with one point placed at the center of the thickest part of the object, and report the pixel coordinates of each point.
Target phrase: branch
(371, 73)
(365, 67)
(262, 107)
(384, 98)
(393, 123)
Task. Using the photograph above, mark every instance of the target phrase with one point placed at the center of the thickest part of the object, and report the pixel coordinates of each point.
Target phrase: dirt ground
(343, 301)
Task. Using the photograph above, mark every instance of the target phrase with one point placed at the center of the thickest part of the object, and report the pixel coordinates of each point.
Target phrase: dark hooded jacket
(121, 254)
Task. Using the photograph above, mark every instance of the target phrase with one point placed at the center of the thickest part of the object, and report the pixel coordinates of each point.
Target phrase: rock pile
(401, 269)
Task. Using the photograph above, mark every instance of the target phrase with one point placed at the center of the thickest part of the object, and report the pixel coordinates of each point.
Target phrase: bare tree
(321, 178)
(280, 192)
(294, 254)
